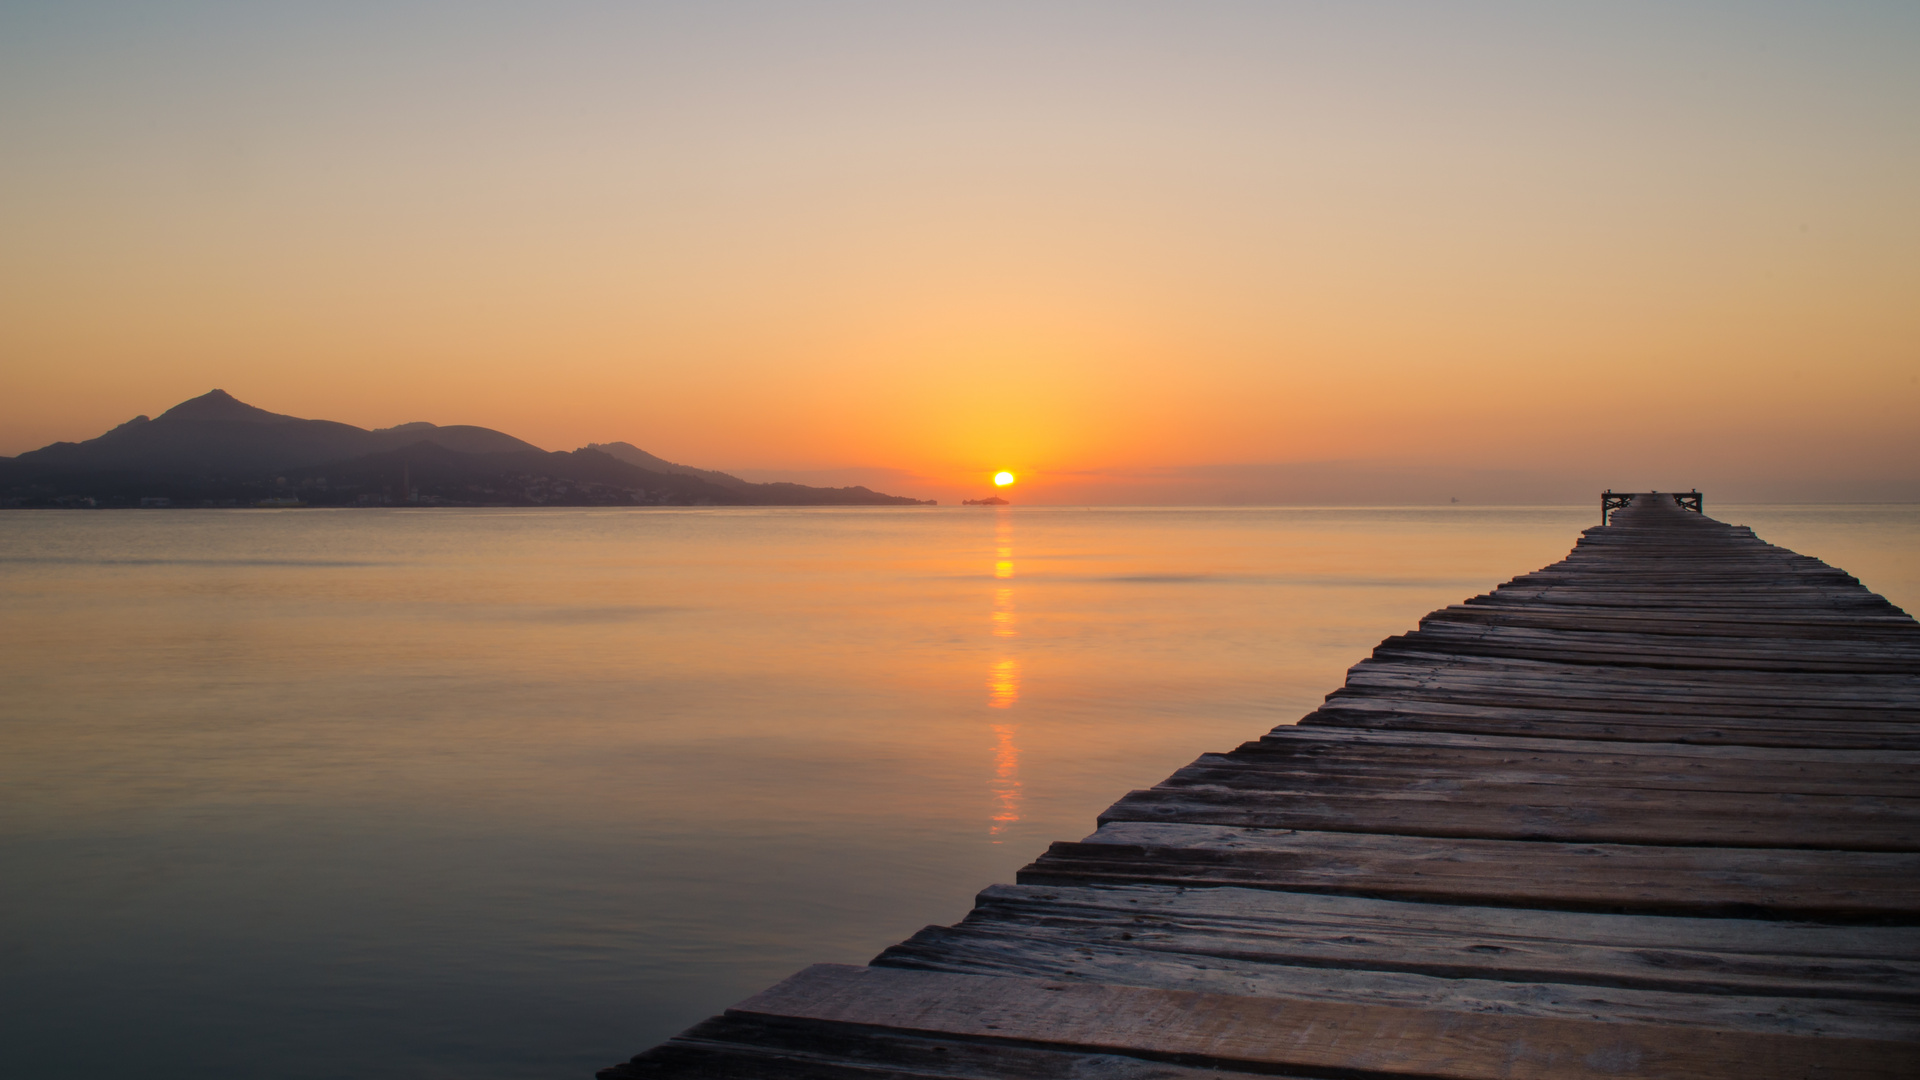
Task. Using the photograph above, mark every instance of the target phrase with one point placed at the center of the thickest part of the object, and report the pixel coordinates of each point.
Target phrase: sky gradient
(1136, 253)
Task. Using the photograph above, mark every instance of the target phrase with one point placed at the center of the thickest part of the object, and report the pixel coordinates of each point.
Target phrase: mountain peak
(633, 455)
(220, 405)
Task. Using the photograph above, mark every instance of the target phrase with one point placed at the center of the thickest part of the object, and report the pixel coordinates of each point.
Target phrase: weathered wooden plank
(1557, 597)
(1810, 717)
(1618, 688)
(1323, 746)
(1420, 773)
(1812, 625)
(1575, 707)
(1271, 761)
(1631, 588)
(1234, 1031)
(1636, 633)
(1806, 714)
(1209, 963)
(1728, 599)
(1578, 708)
(1641, 688)
(1540, 811)
(1272, 766)
(1628, 581)
(1668, 659)
(1741, 974)
(1642, 571)
(1798, 626)
(1261, 767)
(1695, 584)
(741, 1046)
(1338, 744)
(1815, 943)
(1323, 751)
(1823, 886)
(1707, 678)
(1443, 636)
(1624, 728)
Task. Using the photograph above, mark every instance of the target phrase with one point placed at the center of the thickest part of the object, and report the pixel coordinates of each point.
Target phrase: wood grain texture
(1745, 974)
(1651, 811)
(1260, 1034)
(1222, 795)
(740, 1046)
(1826, 886)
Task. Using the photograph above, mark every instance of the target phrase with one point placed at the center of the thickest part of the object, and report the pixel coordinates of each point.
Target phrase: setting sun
(1002, 479)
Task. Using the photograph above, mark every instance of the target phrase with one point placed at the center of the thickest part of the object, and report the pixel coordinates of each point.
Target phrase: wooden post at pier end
(1651, 811)
(1611, 500)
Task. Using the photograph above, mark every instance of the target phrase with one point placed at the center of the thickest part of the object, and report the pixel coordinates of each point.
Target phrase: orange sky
(1169, 253)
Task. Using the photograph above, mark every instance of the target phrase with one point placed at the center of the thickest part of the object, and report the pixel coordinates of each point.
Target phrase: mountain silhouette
(218, 433)
(219, 406)
(218, 450)
(633, 455)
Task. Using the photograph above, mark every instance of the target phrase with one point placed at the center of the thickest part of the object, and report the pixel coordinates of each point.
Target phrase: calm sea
(485, 794)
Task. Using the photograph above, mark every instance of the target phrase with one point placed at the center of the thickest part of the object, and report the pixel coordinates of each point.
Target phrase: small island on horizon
(217, 451)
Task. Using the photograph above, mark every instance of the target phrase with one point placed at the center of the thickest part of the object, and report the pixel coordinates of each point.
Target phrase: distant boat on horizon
(991, 500)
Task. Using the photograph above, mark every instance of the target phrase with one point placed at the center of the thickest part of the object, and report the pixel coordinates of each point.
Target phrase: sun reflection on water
(1003, 683)
(1006, 778)
(1003, 687)
(1003, 614)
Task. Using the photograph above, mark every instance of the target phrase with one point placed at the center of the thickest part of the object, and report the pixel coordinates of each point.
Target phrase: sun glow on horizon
(1271, 255)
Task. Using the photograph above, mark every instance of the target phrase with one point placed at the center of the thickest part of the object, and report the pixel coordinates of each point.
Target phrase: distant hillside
(633, 455)
(427, 472)
(216, 450)
(215, 433)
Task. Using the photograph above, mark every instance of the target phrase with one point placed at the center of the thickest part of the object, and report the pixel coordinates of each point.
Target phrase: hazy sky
(1135, 252)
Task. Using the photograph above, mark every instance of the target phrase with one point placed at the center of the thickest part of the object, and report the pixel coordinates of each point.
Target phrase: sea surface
(518, 793)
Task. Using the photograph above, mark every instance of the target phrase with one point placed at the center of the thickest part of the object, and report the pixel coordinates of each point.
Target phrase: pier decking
(1653, 810)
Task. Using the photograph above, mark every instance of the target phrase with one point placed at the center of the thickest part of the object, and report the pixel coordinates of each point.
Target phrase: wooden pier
(1653, 810)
